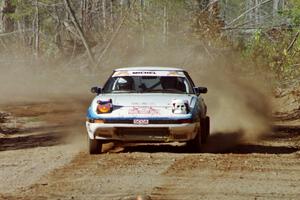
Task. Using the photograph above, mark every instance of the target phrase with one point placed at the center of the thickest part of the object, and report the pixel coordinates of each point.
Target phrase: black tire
(205, 129)
(207, 125)
(195, 145)
(95, 146)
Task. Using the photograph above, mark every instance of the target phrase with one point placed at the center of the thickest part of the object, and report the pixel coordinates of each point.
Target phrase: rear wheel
(95, 146)
(205, 129)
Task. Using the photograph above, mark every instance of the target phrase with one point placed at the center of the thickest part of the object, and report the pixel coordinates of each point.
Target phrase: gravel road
(45, 157)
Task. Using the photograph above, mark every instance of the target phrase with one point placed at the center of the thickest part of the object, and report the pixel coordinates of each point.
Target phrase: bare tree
(251, 8)
(104, 13)
(37, 30)
(79, 30)
(142, 22)
(86, 15)
(165, 24)
(278, 5)
(7, 22)
(275, 7)
(112, 22)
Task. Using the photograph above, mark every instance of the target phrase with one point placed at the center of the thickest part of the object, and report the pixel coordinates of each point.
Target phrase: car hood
(141, 105)
(143, 99)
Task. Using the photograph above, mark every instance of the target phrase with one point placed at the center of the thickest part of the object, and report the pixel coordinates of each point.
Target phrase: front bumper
(147, 133)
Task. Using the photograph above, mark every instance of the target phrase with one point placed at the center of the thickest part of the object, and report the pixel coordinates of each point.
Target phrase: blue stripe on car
(92, 115)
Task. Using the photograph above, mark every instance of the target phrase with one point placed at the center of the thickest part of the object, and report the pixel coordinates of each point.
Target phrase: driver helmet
(125, 83)
(168, 82)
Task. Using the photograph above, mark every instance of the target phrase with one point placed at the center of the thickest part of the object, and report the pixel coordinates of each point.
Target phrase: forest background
(88, 37)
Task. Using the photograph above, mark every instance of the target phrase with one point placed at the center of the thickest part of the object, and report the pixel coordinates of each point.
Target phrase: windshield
(148, 84)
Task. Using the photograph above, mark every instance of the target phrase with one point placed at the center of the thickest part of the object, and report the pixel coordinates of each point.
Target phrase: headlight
(104, 106)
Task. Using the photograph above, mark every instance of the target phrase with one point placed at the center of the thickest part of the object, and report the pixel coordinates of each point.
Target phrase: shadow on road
(249, 148)
(31, 141)
(221, 143)
(236, 149)
(284, 131)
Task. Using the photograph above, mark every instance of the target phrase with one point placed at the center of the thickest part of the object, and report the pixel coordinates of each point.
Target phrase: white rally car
(148, 104)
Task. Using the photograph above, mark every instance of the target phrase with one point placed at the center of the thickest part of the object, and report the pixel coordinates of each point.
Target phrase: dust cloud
(239, 109)
(238, 95)
(237, 102)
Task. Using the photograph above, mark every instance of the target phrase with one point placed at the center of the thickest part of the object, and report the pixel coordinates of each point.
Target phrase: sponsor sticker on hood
(145, 110)
(148, 73)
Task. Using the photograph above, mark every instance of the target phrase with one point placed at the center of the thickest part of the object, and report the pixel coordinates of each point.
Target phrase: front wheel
(95, 146)
(195, 145)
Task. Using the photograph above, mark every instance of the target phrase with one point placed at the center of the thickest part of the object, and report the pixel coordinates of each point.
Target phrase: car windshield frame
(149, 84)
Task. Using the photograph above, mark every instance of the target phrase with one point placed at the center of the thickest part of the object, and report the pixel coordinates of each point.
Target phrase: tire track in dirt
(167, 175)
(232, 176)
(106, 176)
(46, 136)
(265, 170)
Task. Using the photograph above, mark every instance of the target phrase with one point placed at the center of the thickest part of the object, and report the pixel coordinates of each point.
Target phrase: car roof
(149, 68)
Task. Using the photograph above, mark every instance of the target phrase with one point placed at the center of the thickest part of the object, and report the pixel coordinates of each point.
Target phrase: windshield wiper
(164, 91)
(124, 91)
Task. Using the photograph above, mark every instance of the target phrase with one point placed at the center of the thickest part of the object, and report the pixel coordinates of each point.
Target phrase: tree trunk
(86, 15)
(37, 30)
(225, 10)
(257, 13)
(165, 25)
(142, 23)
(125, 3)
(1, 21)
(250, 15)
(112, 23)
(79, 30)
(104, 14)
(275, 6)
(83, 13)
(249, 12)
(7, 22)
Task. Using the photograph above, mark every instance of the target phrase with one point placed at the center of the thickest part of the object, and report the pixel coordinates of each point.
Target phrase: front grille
(121, 121)
(118, 121)
(160, 132)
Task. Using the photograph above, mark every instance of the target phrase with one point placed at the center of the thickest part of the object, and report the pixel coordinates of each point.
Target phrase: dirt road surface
(43, 155)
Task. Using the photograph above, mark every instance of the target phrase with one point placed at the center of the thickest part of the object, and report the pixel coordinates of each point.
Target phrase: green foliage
(268, 51)
(293, 12)
(24, 9)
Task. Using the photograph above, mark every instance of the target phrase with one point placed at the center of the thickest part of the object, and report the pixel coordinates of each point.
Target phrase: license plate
(141, 121)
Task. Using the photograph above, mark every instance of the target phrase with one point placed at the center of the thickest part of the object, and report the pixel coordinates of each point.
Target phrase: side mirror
(200, 90)
(96, 90)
